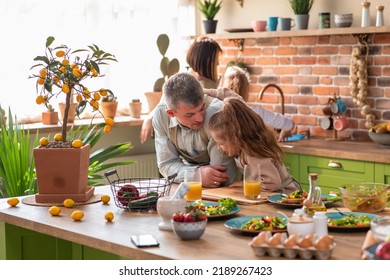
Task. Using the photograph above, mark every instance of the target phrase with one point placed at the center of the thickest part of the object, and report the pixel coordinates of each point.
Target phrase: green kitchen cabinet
(17, 243)
(332, 172)
(291, 161)
(382, 173)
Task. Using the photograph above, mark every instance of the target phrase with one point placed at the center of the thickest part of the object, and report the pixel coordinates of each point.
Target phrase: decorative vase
(72, 111)
(62, 173)
(135, 109)
(50, 117)
(302, 21)
(153, 98)
(210, 26)
(109, 109)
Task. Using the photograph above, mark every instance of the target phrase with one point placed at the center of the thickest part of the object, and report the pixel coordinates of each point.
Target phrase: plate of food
(296, 198)
(225, 207)
(256, 224)
(349, 221)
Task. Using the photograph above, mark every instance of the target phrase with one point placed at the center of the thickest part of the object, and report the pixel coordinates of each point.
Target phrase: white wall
(232, 15)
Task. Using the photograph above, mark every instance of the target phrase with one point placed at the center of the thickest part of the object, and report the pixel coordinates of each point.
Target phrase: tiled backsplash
(310, 70)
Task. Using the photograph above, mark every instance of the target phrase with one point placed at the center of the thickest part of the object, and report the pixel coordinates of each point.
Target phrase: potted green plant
(109, 105)
(301, 9)
(168, 68)
(135, 108)
(17, 167)
(62, 165)
(209, 9)
(50, 116)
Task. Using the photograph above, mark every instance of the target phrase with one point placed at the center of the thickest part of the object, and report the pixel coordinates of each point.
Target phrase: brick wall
(310, 70)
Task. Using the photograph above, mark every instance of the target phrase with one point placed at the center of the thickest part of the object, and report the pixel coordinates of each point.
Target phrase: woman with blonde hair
(241, 133)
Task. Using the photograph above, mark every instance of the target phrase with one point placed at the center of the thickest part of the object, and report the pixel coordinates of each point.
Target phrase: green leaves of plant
(49, 41)
(209, 8)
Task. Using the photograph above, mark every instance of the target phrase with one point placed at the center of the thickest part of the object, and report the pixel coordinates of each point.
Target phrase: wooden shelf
(300, 33)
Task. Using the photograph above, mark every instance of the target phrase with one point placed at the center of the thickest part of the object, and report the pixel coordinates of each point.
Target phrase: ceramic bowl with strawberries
(190, 224)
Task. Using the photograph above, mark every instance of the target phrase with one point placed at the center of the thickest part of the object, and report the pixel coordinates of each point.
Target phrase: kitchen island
(23, 227)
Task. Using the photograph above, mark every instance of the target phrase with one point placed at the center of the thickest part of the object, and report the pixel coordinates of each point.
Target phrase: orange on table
(54, 210)
(109, 216)
(77, 215)
(13, 201)
(105, 198)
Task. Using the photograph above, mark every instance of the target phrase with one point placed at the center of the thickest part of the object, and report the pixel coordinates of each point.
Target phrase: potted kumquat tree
(62, 164)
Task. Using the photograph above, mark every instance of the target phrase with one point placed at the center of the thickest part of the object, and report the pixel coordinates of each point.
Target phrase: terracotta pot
(62, 173)
(153, 99)
(49, 117)
(135, 109)
(72, 111)
(109, 109)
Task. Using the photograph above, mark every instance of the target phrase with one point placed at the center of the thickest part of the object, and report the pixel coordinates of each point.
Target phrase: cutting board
(235, 193)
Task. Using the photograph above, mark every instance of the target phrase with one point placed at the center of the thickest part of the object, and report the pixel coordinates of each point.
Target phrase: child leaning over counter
(241, 133)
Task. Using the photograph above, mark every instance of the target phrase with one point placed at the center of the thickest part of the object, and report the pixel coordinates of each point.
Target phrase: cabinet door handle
(334, 164)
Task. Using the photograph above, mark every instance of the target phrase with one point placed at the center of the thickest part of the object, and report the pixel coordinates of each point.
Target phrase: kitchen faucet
(280, 92)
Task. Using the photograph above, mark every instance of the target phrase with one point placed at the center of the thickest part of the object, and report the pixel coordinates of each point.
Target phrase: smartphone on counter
(144, 240)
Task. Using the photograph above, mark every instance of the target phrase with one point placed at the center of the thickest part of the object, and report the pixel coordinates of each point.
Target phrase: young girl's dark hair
(203, 56)
(239, 125)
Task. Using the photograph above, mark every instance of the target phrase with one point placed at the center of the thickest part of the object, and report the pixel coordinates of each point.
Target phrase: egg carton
(293, 252)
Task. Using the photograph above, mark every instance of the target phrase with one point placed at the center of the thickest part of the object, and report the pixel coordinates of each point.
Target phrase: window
(126, 28)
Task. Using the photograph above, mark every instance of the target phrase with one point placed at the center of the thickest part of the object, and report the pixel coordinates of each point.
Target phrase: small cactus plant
(167, 67)
(110, 97)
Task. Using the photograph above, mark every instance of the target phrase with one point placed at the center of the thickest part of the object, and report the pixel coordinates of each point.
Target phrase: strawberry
(191, 214)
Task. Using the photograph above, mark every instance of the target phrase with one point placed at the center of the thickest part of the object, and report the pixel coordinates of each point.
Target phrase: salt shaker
(379, 16)
(320, 224)
(366, 14)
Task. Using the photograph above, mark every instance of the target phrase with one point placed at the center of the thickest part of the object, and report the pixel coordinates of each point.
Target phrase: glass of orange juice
(193, 178)
(252, 181)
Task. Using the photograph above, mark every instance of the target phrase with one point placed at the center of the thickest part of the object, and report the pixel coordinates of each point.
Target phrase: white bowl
(343, 20)
(189, 231)
(166, 208)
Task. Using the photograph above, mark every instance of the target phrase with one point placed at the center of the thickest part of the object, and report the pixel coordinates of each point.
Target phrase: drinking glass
(252, 181)
(193, 178)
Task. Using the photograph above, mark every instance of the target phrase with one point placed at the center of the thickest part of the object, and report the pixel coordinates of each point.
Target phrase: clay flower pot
(62, 173)
(135, 109)
(153, 98)
(109, 108)
(50, 117)
(72, 111)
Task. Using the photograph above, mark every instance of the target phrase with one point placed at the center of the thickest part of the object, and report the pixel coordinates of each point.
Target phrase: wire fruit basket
(138, 194)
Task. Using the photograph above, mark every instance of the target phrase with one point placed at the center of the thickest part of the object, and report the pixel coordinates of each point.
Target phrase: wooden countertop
(347, 149)
(218, 242)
